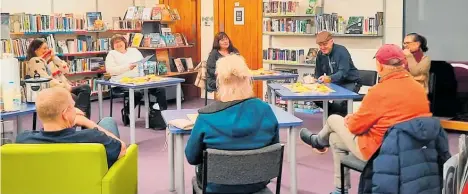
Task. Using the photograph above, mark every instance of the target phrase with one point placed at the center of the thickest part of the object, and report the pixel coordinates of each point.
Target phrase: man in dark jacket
(334, 64)
(410, 159)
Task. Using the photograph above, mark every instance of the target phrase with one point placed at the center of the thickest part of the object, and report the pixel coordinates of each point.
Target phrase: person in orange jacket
(396, 98)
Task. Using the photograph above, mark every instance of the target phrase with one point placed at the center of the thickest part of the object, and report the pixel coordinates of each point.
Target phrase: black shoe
(312, 139)
(125, 117)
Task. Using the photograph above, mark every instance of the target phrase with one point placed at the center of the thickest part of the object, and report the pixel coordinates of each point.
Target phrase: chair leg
(139, 109)
(342, 169)
(206, 97)
(111, 101)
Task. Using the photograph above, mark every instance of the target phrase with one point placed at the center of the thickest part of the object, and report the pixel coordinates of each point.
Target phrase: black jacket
(410, 159)
(338, 65)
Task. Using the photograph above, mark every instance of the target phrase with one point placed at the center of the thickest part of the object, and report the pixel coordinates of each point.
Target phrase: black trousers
(340, 107)
(82, 96)
(159, 93)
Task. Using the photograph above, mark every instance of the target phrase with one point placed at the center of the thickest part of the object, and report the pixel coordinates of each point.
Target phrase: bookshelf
(290, 28)
(90, 42)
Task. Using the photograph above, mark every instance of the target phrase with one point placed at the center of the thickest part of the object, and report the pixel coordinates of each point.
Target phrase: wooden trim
(260, 45)
(216, 15)
(199, 23)
(454, 125)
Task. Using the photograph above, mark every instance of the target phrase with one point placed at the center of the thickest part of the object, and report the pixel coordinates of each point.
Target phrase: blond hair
(234, 79)
(51, 102)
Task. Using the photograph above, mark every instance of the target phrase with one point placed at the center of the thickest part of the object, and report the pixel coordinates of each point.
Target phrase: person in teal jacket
(238, 121)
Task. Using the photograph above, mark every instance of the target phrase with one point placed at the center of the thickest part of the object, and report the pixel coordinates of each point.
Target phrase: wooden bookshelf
(277, 62)
(286, 15)
(79, 54)
(454, 125)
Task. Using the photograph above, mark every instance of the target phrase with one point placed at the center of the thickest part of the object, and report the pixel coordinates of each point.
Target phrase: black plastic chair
(350, 162)
(117, 92)
(368, 78)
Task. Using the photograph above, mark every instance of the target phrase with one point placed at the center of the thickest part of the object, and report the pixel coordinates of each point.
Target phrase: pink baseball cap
(390, 54)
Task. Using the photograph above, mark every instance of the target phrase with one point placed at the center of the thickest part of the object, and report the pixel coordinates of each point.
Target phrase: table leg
(131, 100)
(325, 112)
(34, 121)
(19, 126)
(179, 97)
(273, 97)
(179, 139)
(147, 108)
(292, 151)
(350, 106)
(170, 147)
(99, 87)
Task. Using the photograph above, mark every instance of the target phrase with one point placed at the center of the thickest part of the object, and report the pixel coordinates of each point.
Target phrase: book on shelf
(290, 56)
(326, 22)
(156, 40)
(86, 64)
(91, 18)
(59, 22)
(159, 12)
(281, 7)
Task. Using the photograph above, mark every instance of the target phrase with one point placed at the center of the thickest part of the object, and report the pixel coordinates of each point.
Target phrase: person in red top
(395, 99)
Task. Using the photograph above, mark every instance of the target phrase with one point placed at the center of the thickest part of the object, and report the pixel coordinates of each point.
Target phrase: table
(176, 141)
(26, 108)
(131, 90)
(279, 76)
(286, 94)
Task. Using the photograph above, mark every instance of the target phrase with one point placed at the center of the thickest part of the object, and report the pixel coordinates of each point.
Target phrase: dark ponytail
(421, 39)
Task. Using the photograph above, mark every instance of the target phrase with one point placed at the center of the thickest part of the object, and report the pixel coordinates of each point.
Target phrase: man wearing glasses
(334, 64)
(55, 109)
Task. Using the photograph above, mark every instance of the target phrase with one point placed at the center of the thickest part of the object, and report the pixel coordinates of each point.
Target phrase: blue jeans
(110, 125)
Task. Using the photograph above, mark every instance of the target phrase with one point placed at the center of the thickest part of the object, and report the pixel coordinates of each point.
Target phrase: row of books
(326, 22)
(163, 39)
(58, 22)
(83, 43)
(80, 44)
(86, 64)
(151, 13)
(289, 7)
(290, 55)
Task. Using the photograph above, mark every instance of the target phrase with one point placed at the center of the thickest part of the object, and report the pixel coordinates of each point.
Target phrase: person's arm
(113, 68)
(343, 66)
(86, 123)
(61, 65)
(38, 65)
(367, 115)
(318, 67)
(195, 145)
(418, 69)
(211, 69)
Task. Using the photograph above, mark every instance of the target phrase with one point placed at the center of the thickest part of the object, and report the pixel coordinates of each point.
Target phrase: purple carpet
(314, 172)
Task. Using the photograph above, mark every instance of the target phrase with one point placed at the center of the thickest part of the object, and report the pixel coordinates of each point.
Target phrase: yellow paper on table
(140, 80)
(192, 117)
(304, 88)
(261, 71)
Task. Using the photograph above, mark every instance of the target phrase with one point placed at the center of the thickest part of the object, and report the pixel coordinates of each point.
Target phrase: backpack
(200, 81)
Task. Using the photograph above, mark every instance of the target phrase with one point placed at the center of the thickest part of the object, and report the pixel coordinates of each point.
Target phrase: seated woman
(222, 46)
(120, 63)
(419, 64)
(42, 62)
(397, 98)
(238, 121)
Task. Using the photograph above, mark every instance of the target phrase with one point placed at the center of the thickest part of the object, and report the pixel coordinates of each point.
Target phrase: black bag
(125, 117)
(156, 120)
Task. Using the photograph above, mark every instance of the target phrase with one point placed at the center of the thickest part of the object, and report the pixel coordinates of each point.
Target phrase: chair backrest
(243, 167)
(368, 77)
(52, 168)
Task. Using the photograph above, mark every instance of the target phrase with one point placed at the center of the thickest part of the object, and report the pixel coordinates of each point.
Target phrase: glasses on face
(407, 43)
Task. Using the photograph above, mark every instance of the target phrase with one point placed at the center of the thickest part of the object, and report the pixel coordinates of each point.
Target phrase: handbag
(156, 120)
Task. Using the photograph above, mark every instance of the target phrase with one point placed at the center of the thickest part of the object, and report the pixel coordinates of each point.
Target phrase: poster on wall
(239, 15)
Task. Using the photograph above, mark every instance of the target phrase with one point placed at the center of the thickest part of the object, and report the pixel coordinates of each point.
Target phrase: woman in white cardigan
(120, 62)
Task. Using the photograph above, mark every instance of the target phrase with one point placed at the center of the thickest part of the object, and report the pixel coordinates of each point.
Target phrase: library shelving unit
(284, 20)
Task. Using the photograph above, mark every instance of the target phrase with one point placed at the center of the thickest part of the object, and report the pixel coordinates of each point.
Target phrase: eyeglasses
(407, 43)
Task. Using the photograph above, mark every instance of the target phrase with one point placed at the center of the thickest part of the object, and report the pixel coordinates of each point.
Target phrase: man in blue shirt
(334, 64)
(56, 110)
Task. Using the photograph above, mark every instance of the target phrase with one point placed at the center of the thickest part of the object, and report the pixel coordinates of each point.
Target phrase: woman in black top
(222, 46)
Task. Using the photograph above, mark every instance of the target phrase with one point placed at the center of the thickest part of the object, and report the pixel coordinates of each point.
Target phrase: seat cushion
(353, 162)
